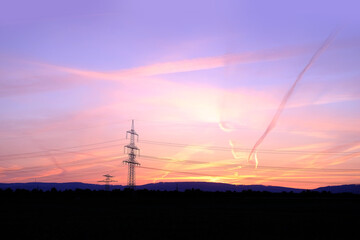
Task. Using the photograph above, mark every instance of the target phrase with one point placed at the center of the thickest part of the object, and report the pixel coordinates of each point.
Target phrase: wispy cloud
(331, 156)
(186, 65)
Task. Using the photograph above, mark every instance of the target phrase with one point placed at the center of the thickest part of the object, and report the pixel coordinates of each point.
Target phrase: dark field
(85, 214)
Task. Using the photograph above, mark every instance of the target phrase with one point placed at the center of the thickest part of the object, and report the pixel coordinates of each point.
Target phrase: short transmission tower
(132, 151)
(107, 181)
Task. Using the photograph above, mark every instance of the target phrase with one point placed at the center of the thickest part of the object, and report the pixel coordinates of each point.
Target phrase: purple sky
(203, 74)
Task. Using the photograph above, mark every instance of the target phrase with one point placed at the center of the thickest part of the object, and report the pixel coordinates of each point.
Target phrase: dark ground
(85, 214)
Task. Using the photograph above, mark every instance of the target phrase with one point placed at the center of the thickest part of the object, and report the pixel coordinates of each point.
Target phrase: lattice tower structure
(107, 181)
(132, 151)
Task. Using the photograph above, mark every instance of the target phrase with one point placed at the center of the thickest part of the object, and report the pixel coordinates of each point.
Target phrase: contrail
(290, 92)
(256, 160)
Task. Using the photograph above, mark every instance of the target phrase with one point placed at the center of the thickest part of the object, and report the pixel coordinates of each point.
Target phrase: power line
(220, 148)
(191, 162)
(234, 177)
(131, 180)
(175, 171)
(75, 163)
(61, 153)
(248, 166)
(171, 160)
(216, 148)
(70, 130)
(67, 164)
(44, 153)
(85, 145)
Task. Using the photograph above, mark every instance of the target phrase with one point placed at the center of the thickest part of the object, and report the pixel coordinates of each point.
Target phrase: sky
(201, 79)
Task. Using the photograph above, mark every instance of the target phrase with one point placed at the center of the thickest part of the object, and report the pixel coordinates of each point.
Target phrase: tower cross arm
(132, 131)
(131, 162)
(132, 146)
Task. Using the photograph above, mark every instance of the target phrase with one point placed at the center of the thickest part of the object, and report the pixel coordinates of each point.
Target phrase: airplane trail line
(290, 92)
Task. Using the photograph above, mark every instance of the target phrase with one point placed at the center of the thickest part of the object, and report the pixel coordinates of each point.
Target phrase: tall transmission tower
(132, 151)
(107, 181)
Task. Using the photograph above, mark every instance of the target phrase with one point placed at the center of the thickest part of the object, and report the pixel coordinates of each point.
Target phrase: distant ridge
(49, 186)
(213, 187)
(181, 186)
(353, 188)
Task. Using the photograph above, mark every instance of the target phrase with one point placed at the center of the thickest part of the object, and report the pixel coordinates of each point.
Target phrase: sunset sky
(201, 79)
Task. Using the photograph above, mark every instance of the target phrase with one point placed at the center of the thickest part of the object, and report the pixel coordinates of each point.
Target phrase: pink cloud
(183, 65)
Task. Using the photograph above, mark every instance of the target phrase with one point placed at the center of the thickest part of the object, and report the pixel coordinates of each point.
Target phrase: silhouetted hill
(213, 187)
(181, 186)
(49, 186)
(352, 188)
